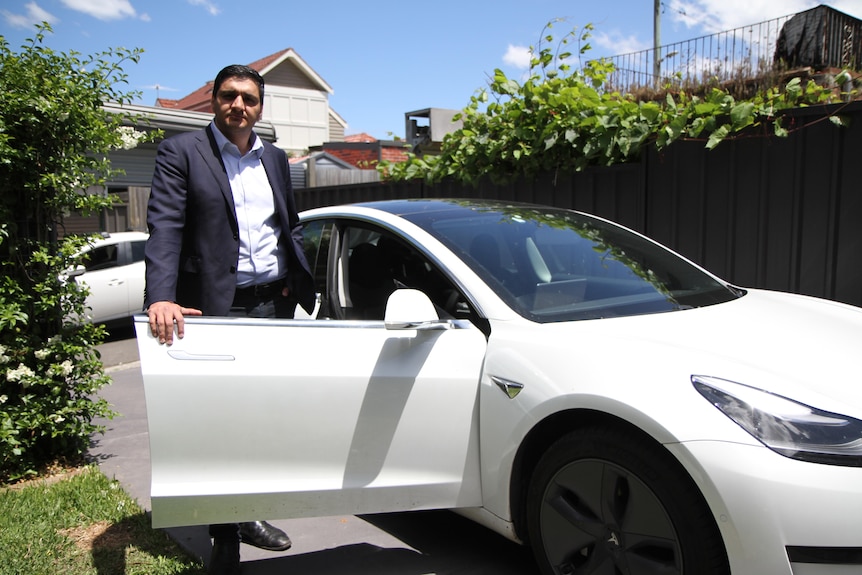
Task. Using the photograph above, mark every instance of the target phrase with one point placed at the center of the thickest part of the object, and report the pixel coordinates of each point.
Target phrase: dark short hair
(238, 71)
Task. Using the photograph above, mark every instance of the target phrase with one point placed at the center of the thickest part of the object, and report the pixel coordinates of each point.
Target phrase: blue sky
(383, 58)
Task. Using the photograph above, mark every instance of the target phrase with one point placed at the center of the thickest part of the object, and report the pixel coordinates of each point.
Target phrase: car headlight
(787, 427)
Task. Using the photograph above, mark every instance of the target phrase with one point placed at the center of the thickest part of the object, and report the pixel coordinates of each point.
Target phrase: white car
(559, 379)
(112, 268)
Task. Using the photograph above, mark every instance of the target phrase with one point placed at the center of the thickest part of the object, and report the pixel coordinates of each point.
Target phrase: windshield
(552, 265)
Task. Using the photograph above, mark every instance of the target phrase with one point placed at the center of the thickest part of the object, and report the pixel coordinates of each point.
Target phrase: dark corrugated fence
(777, 213)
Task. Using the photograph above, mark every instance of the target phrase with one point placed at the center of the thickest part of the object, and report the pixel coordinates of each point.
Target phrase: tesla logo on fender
(510, 388)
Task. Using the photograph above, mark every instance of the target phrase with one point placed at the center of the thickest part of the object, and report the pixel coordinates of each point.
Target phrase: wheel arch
(535, 443)
(548, 431)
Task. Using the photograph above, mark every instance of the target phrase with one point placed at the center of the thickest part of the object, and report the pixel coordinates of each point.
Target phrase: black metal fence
(744, 58)
(776, 213)
(734, 55)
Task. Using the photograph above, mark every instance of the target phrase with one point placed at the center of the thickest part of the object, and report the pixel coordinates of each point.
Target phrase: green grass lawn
(83, 523)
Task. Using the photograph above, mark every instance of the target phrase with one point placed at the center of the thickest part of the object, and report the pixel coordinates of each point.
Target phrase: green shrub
(54, 139)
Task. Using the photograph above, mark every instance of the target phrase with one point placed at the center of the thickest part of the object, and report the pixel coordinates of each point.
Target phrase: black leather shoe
(224, 559)
(263, 535)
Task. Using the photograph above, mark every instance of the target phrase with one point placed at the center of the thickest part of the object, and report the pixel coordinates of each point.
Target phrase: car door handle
(433, 325)
(183, 355)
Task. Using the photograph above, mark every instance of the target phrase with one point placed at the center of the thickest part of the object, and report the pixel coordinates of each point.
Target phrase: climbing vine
(562, 117)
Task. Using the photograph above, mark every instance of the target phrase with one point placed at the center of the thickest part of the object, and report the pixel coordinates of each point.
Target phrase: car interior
(366, 266)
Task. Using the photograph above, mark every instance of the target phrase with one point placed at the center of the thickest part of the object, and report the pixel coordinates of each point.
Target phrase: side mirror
(412, 309)
(76, 271)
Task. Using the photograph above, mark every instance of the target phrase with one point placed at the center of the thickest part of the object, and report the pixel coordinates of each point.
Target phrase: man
(225, 239)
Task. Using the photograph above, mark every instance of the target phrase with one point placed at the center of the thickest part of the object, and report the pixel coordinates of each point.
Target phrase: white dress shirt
(260, 258)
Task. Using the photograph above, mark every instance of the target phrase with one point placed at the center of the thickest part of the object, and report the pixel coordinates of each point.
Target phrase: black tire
(605, 500)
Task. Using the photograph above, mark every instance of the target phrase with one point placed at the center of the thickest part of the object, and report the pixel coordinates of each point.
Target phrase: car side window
(138, 251)
(101, 258)
(315, 240)
(378, 263)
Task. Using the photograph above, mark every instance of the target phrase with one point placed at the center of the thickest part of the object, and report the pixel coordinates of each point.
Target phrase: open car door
(253, 419)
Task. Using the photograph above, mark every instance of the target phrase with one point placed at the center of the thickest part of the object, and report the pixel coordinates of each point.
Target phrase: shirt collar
(226, 146)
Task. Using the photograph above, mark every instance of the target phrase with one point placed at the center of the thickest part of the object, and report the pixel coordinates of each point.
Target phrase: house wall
(336, 130)
(288, 74)
(136, 165)
(300, 117)
(393, 154)
(361, 156)
(366, 155)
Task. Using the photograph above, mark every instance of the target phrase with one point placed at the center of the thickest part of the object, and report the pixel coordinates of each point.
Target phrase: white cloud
(517, 56)
(712, 16)
(209, 6)
(615, 44)
(159, 87)
(851, 7)
(35, 15)
(103, 9)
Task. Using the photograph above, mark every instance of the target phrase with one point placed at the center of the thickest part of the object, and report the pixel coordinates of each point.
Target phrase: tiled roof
(266, 61)
(362, 138)
(199, 100)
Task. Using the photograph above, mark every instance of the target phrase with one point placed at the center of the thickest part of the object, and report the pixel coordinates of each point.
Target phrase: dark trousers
(247, 304)
(263, 301)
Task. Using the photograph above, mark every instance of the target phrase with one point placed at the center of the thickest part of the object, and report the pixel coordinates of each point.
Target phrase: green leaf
(793, 89)
(742, 115)
(650, 111)
(705, 108)
(670, 102)
(717, 136)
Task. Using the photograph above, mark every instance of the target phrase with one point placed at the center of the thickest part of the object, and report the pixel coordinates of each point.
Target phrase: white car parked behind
(113, 270)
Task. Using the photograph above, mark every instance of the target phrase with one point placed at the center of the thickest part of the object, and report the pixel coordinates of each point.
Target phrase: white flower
(41, 353)
(66, 367)
(4, 398)
(20, 373)
(129, 137)
(63, 369)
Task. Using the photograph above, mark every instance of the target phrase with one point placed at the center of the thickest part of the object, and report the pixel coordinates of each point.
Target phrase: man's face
(237, 106)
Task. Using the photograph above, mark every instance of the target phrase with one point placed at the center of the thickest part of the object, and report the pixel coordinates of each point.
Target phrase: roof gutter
(173, 120)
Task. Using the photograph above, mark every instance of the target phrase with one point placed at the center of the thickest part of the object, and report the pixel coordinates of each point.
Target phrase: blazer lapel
(276, 180)
(211, 155)
(208, 150)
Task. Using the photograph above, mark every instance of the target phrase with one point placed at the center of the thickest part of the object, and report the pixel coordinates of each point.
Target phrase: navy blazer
(193, 250)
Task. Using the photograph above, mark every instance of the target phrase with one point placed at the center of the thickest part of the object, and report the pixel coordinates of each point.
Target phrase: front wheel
(605, 500)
